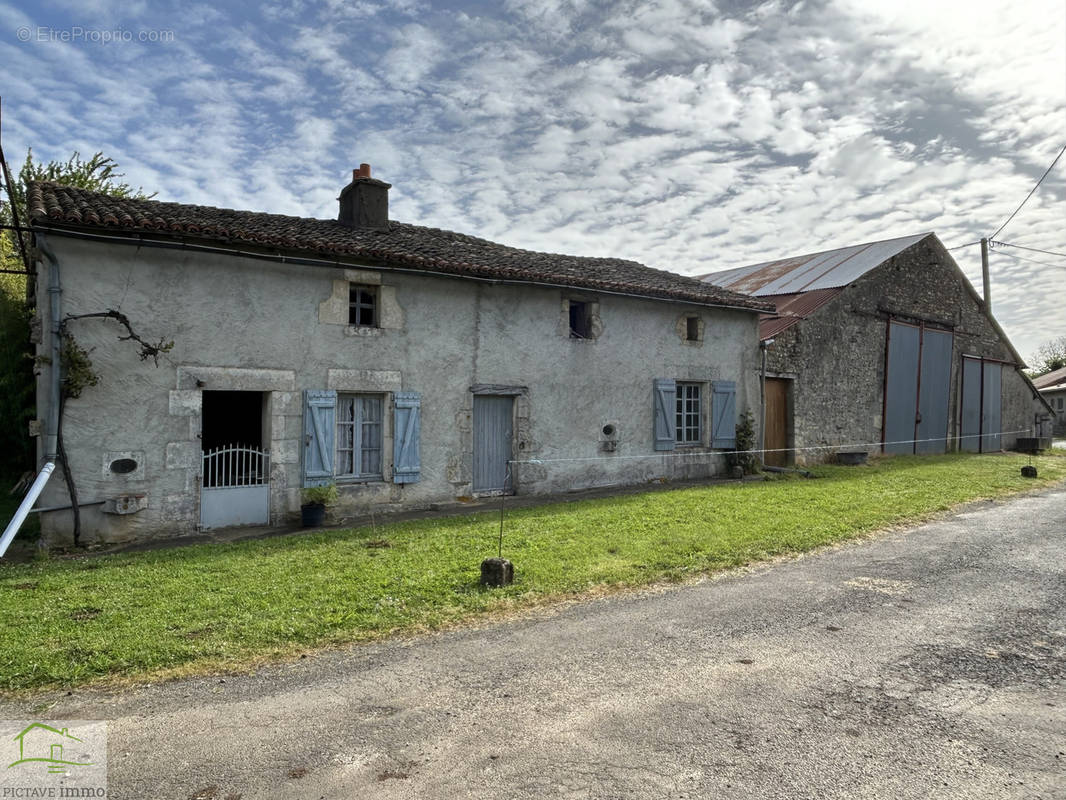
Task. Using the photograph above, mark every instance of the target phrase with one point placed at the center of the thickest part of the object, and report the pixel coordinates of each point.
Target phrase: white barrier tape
(718, 453)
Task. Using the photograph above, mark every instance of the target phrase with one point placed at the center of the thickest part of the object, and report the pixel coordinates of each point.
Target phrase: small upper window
(692, 329)
(363, 306)
(580, 320)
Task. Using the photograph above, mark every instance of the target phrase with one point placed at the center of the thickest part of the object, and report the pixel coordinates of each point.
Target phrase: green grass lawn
(69, 621)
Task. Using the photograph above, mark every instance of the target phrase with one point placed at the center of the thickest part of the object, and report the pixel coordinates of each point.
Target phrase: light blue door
(901, 387)
(935, 386)
(493, 434)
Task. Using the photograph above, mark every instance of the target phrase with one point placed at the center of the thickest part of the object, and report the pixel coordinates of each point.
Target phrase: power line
(960, 246)
(1033, 261)
(1032, 249)
(1026, 200)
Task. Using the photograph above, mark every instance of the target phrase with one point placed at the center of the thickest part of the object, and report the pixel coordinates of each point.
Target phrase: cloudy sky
(689, 135)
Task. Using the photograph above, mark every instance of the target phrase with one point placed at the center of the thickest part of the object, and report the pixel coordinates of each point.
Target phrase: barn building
(883, 346)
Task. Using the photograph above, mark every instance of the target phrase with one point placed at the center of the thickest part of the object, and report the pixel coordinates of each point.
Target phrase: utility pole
(984, 275)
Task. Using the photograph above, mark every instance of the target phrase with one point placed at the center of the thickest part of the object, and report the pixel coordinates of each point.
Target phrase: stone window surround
(595, 320)
(334, 310)
(682, 329)
(368, 381)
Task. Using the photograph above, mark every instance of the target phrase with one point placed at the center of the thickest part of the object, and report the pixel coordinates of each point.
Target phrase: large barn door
(980, 426)
(901, 387)
(917, 386)
(935, 386)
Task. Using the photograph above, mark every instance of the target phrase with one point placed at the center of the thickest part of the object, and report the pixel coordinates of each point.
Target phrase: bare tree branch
(148, 349)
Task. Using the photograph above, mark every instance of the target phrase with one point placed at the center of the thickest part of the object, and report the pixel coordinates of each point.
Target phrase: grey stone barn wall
(836, 356)
(245, 324)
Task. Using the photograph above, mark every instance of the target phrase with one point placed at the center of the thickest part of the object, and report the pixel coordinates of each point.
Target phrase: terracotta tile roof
(1050, 379)
(401, 245)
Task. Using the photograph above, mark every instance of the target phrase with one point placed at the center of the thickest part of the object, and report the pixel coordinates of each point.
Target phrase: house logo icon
(42, 744)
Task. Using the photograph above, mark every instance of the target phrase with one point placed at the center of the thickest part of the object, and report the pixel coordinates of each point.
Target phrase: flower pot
(313, 515)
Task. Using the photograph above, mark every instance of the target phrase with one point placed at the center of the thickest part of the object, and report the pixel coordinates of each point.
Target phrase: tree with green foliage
(1050, 356)
(17, 401)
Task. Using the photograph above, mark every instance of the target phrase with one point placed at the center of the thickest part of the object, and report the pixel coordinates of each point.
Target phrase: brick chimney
(365, 201)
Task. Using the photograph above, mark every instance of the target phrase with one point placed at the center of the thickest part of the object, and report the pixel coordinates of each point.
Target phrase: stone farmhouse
(410, 366)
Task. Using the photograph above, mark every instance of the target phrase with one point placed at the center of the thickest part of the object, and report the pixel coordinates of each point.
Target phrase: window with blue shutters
(724, 415)
(344, 437)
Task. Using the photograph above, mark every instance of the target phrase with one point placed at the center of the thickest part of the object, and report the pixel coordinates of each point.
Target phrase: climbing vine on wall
(78, 374)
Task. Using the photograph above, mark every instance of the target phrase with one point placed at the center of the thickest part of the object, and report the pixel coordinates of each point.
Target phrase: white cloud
(684, 134)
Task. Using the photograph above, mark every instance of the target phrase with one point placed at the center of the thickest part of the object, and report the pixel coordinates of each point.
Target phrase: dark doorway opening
(231, 418)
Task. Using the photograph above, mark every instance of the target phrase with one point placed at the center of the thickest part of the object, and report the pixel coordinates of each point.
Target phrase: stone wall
(837, 355)
(254, 325)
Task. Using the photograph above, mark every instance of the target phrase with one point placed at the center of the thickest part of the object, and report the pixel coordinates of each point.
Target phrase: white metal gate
(235, 487)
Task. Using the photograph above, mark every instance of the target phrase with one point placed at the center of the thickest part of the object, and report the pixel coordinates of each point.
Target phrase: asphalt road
(922, 663)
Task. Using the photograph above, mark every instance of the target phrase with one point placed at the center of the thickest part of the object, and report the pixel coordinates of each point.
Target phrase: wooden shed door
(493, 433)
(775, 439)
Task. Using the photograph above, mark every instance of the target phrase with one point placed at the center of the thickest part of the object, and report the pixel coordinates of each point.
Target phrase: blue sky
(688, 135)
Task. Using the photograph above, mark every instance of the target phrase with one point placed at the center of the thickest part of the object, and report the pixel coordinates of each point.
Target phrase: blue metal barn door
(493, 434)
(970, 424)
(981, 423)
(901, 387)
(991, 378)
(935, 386)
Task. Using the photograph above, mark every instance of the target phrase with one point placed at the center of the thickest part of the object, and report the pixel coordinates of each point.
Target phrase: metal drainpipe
(762, 406)
(52, 432)
(55, 311)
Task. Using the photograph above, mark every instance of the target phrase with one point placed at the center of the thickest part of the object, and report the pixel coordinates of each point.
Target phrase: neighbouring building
(886, 347)
(1052, 387)
(412, 366)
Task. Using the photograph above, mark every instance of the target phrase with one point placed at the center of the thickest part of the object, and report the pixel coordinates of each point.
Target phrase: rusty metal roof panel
(830, 269)
(791, 308)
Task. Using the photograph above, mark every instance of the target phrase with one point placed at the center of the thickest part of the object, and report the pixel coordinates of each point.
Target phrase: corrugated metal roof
(830, 269)
(791, 308)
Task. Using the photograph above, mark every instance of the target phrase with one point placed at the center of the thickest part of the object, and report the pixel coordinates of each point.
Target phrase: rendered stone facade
(241, 324)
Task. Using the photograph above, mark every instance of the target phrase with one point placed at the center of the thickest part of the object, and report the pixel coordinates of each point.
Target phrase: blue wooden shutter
(407, 461)
(665, 414)
(320, 428)
(724, 415)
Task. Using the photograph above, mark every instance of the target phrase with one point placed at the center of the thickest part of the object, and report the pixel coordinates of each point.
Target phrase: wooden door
(775, 438)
